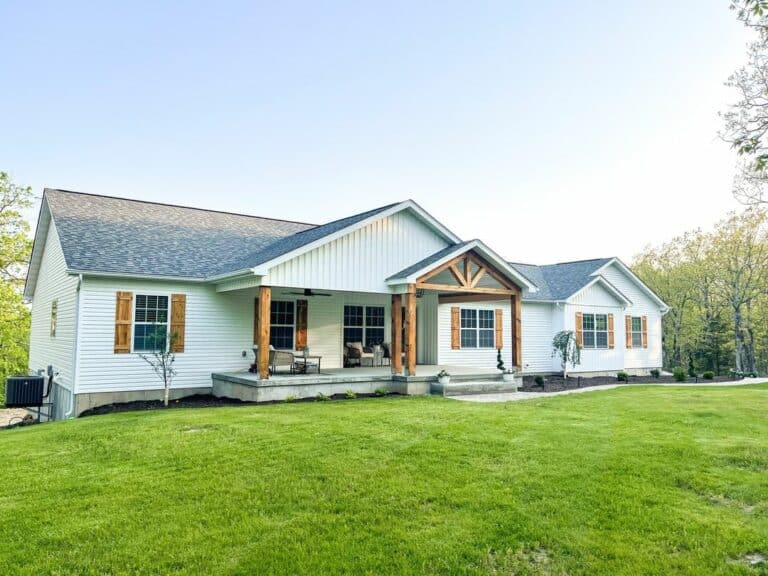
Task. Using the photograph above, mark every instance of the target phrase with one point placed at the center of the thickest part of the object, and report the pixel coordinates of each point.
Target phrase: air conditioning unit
(24, 391)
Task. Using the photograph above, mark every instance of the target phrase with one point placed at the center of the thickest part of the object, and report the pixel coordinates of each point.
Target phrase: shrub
(539, 380)
(290, 399)
(679, 374)
(322, 397)
(381, 391)
(752, 374)
(655, 372)
(622, 377)
(708, 375)
(350, 394)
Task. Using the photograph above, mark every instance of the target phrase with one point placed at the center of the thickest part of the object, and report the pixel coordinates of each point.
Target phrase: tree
(161, 358)
(566, 348)
(15, 247)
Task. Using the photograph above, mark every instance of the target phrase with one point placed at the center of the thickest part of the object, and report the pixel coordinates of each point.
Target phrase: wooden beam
(442, 267)
(478, 276)
(517, 334)
(483, 263)
(451, 288)
(410, 331)
(456, 274)
(396, 349)
(265, 317)
(467, 270)
(460, 298)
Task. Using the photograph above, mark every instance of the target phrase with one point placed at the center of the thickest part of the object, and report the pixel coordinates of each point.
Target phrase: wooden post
(265, 317)
(517, 328)
(410, 330)
(396, 349)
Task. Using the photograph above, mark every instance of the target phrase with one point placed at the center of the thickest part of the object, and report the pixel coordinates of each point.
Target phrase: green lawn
(629, 481)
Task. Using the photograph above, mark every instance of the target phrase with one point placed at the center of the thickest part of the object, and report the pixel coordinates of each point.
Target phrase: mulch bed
(201, 401)
(557, 383)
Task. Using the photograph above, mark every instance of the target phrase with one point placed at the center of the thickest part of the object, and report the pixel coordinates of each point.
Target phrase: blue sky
(552, 131)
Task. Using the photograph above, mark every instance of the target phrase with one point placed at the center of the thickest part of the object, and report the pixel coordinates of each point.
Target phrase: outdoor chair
(358, 355)
(281, 358)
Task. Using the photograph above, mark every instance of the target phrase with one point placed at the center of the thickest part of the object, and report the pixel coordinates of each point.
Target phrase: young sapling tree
(567, 349)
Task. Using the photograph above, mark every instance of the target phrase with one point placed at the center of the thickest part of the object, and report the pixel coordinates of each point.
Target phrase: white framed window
(54, 317)
(478, 328)
(594, 328)
(282, 324)
(637, 332)
(364, 324)
(150, 323)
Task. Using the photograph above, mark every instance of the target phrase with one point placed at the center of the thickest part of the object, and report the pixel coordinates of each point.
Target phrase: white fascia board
(643, 286)
(478, 245)
(130, 276)
(44, 221)
(615, 292)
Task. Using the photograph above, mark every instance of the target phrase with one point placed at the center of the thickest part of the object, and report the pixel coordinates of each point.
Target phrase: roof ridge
(154, 203)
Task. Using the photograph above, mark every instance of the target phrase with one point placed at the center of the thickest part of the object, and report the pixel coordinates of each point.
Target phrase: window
(54, 315)
(477, 328)
(594, 330)
(150, 323)
(637, 332)
(282, 321)
(364, 324)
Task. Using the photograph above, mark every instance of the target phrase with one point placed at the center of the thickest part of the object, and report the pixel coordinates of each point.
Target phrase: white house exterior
(106, 271)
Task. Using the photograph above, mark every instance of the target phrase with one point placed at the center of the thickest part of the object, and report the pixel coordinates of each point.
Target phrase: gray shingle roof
(559, 281)
(105, 234)
(431, 259)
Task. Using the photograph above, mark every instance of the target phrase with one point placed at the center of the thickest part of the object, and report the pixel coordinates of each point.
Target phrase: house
(109, 275)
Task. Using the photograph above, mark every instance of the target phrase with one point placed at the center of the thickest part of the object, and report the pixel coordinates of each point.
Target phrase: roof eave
(663, 306)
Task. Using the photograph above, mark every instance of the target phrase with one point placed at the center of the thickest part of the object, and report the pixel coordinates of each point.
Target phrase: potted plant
(507, 374)
(443, 377)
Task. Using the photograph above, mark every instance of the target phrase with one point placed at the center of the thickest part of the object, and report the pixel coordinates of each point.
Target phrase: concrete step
(475, 387)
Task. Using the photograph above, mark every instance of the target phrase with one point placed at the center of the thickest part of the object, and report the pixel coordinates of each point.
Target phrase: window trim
(292, 326)
(133, 319)
(54, 317)
(594, 331)
(364, 326)
(477, 329)
(639, 332)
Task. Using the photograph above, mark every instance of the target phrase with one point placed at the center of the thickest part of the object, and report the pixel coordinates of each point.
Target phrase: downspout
(75, 349)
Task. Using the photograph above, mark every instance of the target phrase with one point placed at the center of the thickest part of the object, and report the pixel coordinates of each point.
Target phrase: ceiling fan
(309, 293)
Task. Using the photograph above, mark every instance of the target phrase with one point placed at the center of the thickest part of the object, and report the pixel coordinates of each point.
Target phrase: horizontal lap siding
(219, 327)
(598, 359)
(479, 357)
(363, 259)
(642, 305)
(54, 284)
(537, 337)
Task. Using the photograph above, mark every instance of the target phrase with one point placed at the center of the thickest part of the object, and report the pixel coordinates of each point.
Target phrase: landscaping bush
(622, 377)
(709, 375)
(350, 394)
(290, 399)
(322, 397)
(539, 380)
(655, 372)
(679, 374)
(381, 391)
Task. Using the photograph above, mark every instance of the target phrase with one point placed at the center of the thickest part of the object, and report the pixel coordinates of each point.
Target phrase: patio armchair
(355, 354)
(281, 358)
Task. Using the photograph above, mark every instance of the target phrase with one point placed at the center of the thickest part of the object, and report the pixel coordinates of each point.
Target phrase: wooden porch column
(517, 329)
(265, 317)
(396, 349)
(410, 330)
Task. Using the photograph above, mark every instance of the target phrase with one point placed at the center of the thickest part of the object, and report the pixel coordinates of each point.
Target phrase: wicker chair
(281, 358)
(358, 355)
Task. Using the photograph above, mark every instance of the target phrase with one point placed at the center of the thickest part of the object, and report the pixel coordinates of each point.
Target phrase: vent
(24, 391)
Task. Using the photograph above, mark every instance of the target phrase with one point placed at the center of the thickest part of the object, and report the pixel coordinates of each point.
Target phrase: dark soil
(557, 383)
(199, 401)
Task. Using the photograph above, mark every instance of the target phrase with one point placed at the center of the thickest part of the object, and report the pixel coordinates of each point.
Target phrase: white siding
(54, 284)
(362, 260)
(426, 329)
(537, 336)
(642, 305)
(596, 295)
(479, 357)
(597, 359)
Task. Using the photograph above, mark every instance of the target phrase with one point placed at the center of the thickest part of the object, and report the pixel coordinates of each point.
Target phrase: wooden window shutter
(123, 321)
(455, 328)
(628, 331)
(610, 331)
(302, 307)
(579, 330)
(178, 321)
(645, 331)
(499, 328)
(255, 321)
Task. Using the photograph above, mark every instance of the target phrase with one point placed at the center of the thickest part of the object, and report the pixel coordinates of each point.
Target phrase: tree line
(716, 284)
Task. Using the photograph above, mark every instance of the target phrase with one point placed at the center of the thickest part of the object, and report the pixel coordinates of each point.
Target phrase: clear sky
(551, 130)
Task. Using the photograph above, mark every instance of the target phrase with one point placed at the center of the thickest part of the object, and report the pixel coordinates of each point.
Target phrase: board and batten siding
(361, 260)
(479, 357)
(597, 359)
(537, 336)
(642, 305)
(54, 284)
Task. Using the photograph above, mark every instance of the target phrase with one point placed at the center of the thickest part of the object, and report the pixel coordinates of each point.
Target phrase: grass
(633, 481)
